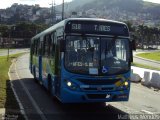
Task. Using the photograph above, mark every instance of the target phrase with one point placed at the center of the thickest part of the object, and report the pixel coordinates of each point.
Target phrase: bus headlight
(126, 83)
(71, 85)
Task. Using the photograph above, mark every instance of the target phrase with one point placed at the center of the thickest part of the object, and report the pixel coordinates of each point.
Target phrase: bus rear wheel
(49, 85)
(34, 75)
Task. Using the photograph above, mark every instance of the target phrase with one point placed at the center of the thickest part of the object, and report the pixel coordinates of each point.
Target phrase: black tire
(34, 75)
(49, 85)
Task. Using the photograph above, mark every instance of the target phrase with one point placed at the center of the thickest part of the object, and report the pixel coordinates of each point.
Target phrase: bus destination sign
(98, 28)
(103, 28)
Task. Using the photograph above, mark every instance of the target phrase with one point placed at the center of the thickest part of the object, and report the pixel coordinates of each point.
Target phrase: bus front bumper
(69, 96)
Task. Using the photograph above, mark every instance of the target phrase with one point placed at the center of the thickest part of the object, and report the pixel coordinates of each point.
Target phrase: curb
(149, 78)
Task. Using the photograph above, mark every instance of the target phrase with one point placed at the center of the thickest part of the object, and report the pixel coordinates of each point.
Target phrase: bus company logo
(108, 96)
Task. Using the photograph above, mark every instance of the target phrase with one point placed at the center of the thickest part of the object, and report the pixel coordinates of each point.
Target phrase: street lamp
(8, 44)
(10, 30)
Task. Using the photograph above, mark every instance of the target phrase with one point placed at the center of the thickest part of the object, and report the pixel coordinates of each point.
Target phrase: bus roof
(94, 19)
(63, 23)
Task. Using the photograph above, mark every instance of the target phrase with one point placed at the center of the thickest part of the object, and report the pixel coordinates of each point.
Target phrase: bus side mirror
(132, 47)
(133, 44)
(62, 45)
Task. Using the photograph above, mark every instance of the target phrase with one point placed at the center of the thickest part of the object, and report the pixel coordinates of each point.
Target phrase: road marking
(148, 112)
(15, 94)
(30, 97)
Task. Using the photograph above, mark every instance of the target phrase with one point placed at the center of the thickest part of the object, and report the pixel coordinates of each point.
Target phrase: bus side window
(46, 47)
(32, 47)
(39, 47)
(44, 44)
(36, 47)
(34, 44)
(52, 48)
(49, 41)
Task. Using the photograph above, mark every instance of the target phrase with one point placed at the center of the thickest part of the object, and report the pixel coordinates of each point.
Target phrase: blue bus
(82, 60)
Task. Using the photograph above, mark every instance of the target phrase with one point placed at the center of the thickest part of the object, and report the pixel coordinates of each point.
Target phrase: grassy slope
(152, 56)
(4, 67)
(7, 98)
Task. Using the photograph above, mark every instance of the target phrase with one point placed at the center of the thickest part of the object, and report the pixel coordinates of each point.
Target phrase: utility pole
(52, 14)
(9, 45)
(63, 10)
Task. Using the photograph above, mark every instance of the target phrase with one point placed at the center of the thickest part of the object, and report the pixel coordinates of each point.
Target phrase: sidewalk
(12, 51)
(140, 71)
(147, 77)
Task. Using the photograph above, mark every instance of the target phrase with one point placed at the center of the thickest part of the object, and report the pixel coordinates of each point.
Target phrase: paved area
(12, 51)
(2, 110)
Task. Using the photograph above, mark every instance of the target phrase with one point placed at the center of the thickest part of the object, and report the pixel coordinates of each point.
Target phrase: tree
(27, 30)
(3, 30)
(130, 26)
(140, 34)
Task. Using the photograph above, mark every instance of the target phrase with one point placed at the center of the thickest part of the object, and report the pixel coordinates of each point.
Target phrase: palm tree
(141, 34)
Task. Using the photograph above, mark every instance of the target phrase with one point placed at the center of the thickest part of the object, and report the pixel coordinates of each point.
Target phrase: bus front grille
(96, 96)
(99, 89)
(99, 81)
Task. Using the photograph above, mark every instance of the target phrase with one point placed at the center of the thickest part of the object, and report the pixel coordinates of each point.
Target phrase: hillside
(71, 6)
(123, 10)
(128, 5)
(137, 11)
(135, 6)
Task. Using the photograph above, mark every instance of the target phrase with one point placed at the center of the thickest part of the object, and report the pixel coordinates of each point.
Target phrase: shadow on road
(11, 105)
(89, 111)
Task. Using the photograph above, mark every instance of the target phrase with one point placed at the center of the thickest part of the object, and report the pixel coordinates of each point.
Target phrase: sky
(42, 3)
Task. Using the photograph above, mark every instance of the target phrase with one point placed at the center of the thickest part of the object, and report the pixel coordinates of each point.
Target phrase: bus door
(53, 61)
(31, 55)
(58, 64)
(40, 46)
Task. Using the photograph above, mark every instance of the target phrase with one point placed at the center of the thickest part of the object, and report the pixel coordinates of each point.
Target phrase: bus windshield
(96, 55)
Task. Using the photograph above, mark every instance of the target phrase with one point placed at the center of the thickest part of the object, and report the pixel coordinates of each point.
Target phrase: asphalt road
(142, 100)
(38, 104)
(146, 62)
